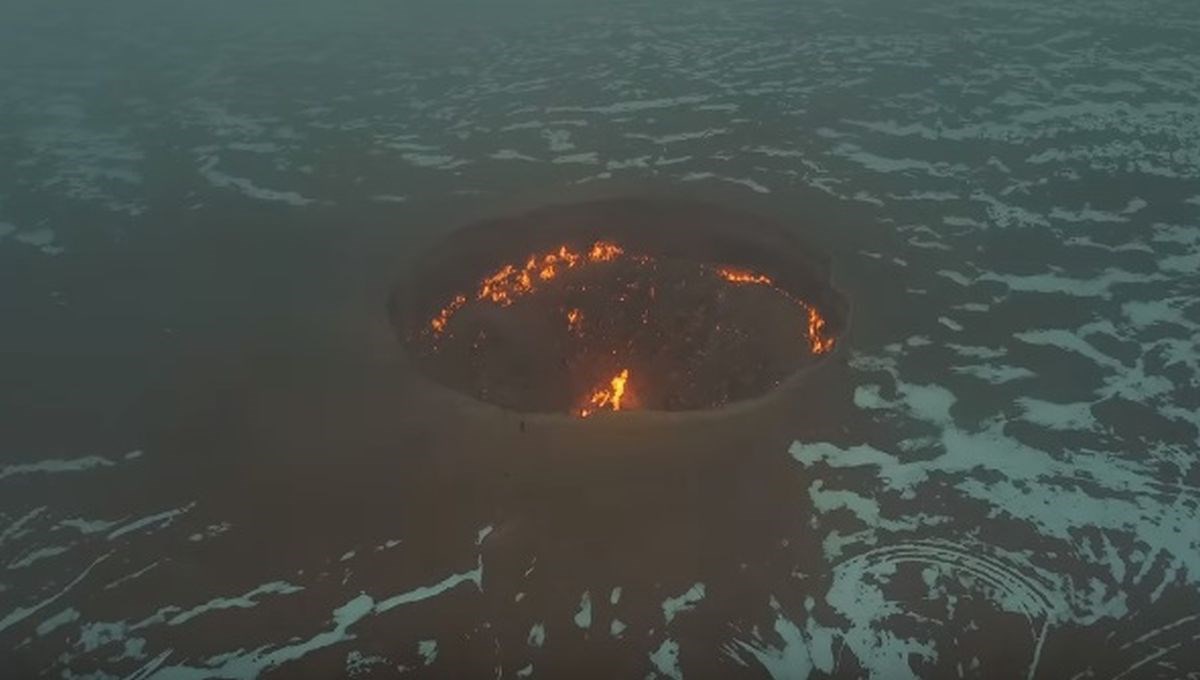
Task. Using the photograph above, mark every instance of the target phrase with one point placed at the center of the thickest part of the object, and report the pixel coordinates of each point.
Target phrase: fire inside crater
(619, 317)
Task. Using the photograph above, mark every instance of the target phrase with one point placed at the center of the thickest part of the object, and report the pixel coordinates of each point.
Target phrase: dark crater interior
(595, 308)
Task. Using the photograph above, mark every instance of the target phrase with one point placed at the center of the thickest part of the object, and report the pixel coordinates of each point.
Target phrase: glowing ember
(607, 397)
(438, 323)
(574, 319)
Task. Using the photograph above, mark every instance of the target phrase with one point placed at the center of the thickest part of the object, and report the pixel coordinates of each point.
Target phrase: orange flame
(603, 251)
(608, 397)
(744, 276)
(510, 282)
(819, 343)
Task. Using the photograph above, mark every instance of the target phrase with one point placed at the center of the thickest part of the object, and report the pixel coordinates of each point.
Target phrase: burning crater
(619, 305)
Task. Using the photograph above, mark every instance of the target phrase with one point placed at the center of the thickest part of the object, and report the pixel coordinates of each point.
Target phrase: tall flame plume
(609, 397)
